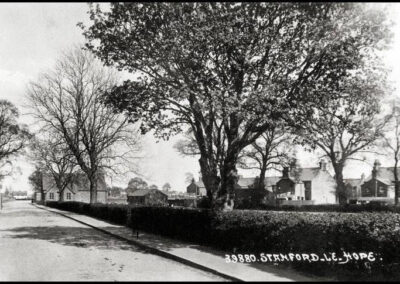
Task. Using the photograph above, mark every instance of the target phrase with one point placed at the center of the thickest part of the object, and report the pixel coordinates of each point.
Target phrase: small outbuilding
(147, 197)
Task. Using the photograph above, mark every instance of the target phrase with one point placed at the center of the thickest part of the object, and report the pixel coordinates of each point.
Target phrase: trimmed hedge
(182, 223)
(256, 231)
(116, 213)
(349, 208)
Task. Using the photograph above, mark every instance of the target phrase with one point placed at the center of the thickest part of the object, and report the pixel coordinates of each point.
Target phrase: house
(300, 186)
(196, 188)
(147, 197)
(78, 190)
(243, 189)
(379, 186)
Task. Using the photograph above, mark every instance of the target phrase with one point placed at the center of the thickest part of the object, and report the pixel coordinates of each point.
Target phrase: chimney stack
(285, 173)
(375, 169)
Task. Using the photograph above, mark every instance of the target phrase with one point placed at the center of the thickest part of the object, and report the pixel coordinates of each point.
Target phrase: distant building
(300, 186)
(244, 190)
(147, 197)
(353, 187)
(379, 186)
(79, 190)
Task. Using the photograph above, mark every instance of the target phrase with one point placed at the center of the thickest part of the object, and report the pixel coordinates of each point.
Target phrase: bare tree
(189, 177)
(272, 150)
(346, 127)
(391, 142)
(69, 101)
(52, 156)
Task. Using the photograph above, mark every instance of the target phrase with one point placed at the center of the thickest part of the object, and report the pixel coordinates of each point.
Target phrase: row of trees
(228, 74)
(76, 131)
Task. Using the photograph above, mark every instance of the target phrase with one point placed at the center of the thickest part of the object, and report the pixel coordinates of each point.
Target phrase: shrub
(116, 213)
(258, 231)
(182, 223)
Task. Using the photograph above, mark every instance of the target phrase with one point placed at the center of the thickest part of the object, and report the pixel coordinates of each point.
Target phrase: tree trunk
(396, 183)
(340, 186)
(60, 192)
(93, 188)
(260, 190)
(42, 196)
(210, 178)
(229, 179)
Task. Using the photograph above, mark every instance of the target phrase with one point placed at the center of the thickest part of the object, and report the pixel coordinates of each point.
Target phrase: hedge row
(116, 213)
(349, 208)
(255, 231)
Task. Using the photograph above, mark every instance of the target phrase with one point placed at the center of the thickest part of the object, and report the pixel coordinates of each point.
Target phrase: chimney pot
(285, 173)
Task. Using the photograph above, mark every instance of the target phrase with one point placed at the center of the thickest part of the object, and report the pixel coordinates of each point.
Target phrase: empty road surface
(37, 245)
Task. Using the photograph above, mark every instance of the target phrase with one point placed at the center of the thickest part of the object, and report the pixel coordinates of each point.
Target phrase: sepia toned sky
(32, 37)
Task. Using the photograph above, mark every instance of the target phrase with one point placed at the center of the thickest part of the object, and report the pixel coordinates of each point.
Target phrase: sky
(32, 36)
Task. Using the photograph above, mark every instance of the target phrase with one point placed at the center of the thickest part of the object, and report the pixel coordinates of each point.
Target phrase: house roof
(385, 175)
(304, 173)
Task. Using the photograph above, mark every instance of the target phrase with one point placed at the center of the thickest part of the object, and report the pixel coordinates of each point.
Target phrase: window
(382, 191)
(51, 195)
(307, 190)
(68, 196)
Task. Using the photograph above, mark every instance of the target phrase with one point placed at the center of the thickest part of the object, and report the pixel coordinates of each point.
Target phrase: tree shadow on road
(70, 236)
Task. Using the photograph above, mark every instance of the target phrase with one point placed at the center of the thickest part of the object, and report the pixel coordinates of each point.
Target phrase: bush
(183, 223)
(257, 231)
(204, 203)
(349, 208)
(116, 213)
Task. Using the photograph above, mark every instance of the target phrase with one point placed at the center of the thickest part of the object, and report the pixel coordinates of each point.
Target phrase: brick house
(147, 197)
(78, 190)
(379, 186)
(300, 186)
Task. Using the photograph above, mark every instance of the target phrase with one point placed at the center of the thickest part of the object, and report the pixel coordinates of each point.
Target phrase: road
(37, 245)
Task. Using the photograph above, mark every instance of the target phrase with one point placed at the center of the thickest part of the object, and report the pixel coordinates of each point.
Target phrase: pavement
(39, 245)
(193, 255)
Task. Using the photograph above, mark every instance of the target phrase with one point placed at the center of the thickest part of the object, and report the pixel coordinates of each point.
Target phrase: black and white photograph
(200, 141)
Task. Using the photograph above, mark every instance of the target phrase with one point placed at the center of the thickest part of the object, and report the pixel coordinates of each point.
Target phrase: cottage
(379, 186)
(244, 189)
(78, 190)
(147, 197)
(300, 186)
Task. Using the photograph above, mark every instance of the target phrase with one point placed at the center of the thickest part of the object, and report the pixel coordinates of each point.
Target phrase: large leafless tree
(391, 142)
(53, 157)
(68, 100)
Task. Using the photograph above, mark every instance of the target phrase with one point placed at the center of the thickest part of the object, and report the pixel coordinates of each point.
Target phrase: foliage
(115, 191)
(166, 186)
(35, 180)
(135, 184)
(230, 71)
(13, 136)
(115, 213)
(271, 232)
